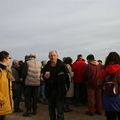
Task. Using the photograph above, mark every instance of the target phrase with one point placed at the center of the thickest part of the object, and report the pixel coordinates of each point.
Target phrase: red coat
(78, 69)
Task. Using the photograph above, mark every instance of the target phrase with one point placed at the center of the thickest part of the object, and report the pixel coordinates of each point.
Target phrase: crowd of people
(60, 84)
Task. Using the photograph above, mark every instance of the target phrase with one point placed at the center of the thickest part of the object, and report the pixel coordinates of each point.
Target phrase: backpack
(111, 85)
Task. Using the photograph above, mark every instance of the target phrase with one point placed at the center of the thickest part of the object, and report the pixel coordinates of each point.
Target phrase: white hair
(53, 51)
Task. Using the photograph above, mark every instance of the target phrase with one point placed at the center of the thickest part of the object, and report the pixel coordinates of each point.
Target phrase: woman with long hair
(111, 103)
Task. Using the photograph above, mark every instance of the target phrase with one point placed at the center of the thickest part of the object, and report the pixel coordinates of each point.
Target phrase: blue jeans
(2, 117)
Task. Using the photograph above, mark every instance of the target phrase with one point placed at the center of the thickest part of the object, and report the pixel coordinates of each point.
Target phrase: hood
(112, 68)
(94, 62)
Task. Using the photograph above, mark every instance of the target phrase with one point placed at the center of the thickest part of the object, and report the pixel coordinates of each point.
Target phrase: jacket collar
(58, 62)
(2, 66)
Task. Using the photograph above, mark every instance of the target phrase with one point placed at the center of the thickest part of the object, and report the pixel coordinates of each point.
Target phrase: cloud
(70, 26)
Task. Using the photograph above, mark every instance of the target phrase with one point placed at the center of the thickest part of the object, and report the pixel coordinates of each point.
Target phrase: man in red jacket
(79, 85)
(93, 92)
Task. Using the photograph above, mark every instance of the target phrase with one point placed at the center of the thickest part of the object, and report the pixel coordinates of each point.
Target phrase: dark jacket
(17, 83)
(58, 83)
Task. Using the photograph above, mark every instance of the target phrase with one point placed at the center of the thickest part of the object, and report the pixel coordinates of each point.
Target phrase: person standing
(79, 84)
(6, 102)
(16, 86)
(32, 70)
(42, 97)
(70, 94)
(111, 104)
(56, 77)
(93, 91)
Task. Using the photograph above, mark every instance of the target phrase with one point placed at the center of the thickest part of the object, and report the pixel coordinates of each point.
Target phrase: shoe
(19, 110)
(98, 113)
(34, 113)
(26, 114)
(39, 101)
(90, 113)
(45, 102)
(67, 110)
(77, 104)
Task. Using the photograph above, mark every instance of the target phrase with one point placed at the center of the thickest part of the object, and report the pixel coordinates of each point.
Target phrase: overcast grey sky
(70, 26)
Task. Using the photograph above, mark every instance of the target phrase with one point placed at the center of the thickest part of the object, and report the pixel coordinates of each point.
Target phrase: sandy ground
(78, 113)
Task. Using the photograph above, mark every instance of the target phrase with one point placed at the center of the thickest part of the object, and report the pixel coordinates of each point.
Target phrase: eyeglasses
(8, 58)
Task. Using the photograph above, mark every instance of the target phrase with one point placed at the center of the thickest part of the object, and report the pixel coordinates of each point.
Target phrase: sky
(71, 27)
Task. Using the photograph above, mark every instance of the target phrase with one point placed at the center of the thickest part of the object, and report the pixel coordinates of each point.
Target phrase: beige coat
(33, 73)
(70, 93)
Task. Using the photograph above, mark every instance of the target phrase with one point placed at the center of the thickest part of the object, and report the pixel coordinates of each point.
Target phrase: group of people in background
(58, 83)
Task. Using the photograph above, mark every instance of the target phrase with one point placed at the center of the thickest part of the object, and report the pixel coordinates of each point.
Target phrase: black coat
(58, 83)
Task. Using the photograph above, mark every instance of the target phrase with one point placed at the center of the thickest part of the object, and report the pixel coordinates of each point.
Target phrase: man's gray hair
(52, 51)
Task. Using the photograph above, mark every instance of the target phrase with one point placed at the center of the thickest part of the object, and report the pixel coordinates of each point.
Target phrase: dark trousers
(56, 108)
(31, 97)
(67, 102)
(16, 98)
(2, 117)
(80, 93)
(112, 115)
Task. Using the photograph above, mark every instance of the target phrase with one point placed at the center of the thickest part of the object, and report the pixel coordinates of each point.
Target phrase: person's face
(17, 65)
(7, 61)
(100, 63)
(53, 57)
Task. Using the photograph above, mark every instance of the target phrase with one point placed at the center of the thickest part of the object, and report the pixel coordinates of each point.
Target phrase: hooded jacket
(6, 102)
(91, 72)
(111, 103)
(110, 69)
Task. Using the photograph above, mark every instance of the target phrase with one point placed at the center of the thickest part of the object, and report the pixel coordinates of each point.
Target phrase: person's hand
(47, 75)
(21, 79)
